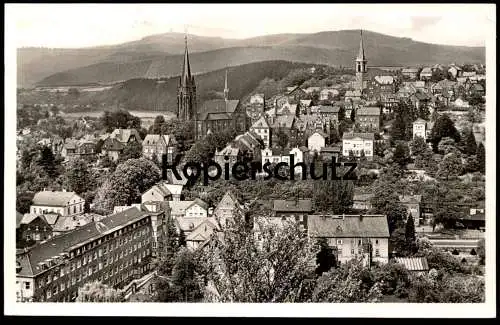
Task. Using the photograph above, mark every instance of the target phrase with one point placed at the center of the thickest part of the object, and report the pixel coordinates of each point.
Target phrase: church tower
(186, 93)
(226, 89)
(360, 65)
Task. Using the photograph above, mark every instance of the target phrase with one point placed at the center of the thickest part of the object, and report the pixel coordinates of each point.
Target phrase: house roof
(53, 198)
(188, 224)
(196, 235)
(229, 150)
(409, 70)
(413, 263)
(218, 108)
(331, 149)
(371, 226)
(199, 202)
(112, 144)
(384, 80)
(124, 135)
(426, 71)
(351, 135)
(328, 109)
(370, 110)
(261, 123)
(55, 246)
(292, 205)
(69, 223)
(154, 139)
(323, 134)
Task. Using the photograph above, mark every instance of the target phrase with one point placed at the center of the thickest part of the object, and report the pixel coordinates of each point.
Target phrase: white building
(163, 191)
(353, 236)
(420, 128)
(357, 144)
(262, 129)
(62, 202)
(189, 209)
(316, 141)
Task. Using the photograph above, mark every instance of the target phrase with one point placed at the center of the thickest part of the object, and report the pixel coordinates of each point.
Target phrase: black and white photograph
(250, 160)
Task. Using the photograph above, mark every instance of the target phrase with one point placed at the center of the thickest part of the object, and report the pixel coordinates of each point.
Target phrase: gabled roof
(368, 111)
(218, 108)
(229, 150)
(384, 80)
(426, 71)
(419, 121)
(155, 139)
(53, 198)
(323, 134)
(124, 135)
(350, 226)
(351, 135)
(197, 234)
(328, 109)
(112, 144)
(409, 70)
(261, 123)
(55, 246)
(292, 205)
(199, 202)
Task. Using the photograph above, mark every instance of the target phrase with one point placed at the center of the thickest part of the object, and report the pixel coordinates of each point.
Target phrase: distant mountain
(160, 55)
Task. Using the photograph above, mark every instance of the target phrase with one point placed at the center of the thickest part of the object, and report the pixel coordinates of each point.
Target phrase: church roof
(218, 109)
(361, 54)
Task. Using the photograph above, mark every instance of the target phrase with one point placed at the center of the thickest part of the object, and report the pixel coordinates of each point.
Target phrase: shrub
(455, 252)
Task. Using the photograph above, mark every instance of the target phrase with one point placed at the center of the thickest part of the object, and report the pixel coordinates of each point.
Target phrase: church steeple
(361, 54)
(226, 89)
(186, 68)
(186, 93)
(361, 65)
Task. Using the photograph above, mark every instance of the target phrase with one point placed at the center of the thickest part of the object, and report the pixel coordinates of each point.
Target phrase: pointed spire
(361, 54)
(186, 68)
(226, 90)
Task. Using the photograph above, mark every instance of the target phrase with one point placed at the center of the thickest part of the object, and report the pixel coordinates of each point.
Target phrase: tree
(48, 162)
(77, 177)
(444, 127)
(127, 183)
(158, 125)
(470, 143)
(418, 146)
(448, 145)
(325, 259)
(410, 233)
(351, 282)
(119, 119)
(98, 292)
(186, 286)
(481, 158)
(332, 196)
(132, 150)
(398, 131)
(269, 263)
(182, 238)
(401, 155)
(170, 247)
(24, 201)
(450, 166)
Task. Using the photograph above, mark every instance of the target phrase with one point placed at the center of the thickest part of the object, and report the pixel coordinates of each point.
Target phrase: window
(377, 252)
(376, 242)
(339, 241)
(27, 285)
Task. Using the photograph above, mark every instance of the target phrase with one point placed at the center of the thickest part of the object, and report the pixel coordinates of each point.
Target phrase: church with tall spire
(186, 92)
(361, 65)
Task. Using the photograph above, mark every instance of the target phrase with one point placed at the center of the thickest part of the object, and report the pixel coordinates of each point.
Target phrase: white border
(400, 310)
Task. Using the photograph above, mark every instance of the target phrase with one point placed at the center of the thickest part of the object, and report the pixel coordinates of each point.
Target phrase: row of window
(92, 270)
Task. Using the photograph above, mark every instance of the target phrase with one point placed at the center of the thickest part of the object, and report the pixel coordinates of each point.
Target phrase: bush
(455, 252)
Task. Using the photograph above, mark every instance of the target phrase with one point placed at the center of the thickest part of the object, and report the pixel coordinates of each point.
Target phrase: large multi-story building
(358, 144)
(368, 118)
(353, 236)
(113, 250)
(159, 145)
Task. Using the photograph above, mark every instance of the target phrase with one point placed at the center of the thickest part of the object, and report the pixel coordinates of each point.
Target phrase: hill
(161, 94)
(159, 55)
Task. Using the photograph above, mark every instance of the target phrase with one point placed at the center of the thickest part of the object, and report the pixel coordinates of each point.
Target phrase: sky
(83, 25)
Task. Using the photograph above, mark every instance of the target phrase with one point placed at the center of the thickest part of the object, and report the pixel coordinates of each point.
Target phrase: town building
(61, 202)
(33, 228)
(358, 144)
(420, 128)
(455, 71)
(293, 210)
(219, 115)
(125, 136)
(380, 86)
(227, 208)
(410, 73)
(230, 155)
(426, 74)
(316, 141)
(196, 208)
(113, 250)
(368, 118)
(362, 202)
(330, 152)
(353, 236)
(159, 145)
(163, 191)
(263, 130)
